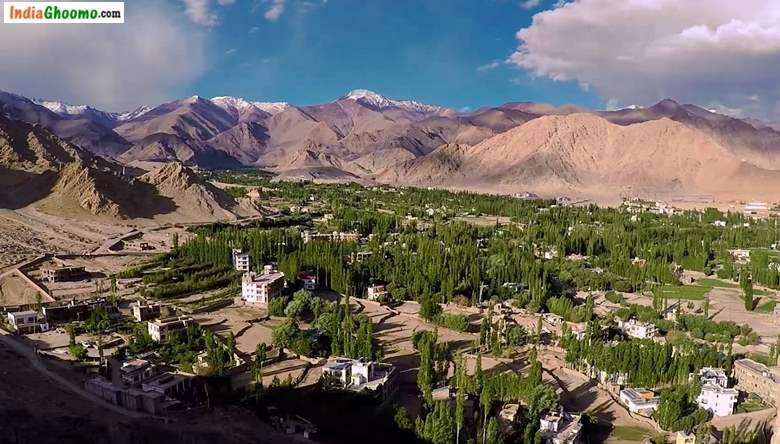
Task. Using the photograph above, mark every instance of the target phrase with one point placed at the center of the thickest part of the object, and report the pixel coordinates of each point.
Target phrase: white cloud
(639, 51)
(114, 67)
(200, 13)
(254, 29)
(275, 10)
(530, 4)
(225, 2)
(231, 51)
(490, 66)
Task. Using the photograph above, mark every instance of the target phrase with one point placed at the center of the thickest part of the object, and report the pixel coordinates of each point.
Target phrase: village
(156, 356)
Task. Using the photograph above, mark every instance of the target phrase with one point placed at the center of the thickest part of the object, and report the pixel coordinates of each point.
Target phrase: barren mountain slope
(88, 134)
(585, 154)
(190, 118)
(756, 144)
(194, 198)
(162, 147)
(40, 170)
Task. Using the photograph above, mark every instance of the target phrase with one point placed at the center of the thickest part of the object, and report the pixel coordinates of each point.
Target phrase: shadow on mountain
(150, 203)
(19, 189)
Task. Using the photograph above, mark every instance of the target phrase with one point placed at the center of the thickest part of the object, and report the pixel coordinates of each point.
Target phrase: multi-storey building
(261, 288)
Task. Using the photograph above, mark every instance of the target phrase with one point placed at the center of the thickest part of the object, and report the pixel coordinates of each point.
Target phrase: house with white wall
(718, 400)
(241, 260)
(27, 322)
(639, 400)
(362, 375)
(261, 288)
(637, 329)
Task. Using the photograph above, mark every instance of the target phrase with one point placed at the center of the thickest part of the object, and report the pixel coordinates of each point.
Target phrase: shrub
(77, 351)
(452, 321)
(277, 305)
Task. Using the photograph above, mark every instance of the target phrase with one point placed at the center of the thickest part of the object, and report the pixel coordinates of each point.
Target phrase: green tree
(402, 419)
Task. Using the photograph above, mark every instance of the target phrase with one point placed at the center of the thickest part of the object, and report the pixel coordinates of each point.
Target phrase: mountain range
(665, 149)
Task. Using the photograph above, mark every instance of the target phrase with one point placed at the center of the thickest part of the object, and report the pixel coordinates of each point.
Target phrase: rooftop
(638, 395)
(134, 365)
(757, 368)
(718, 389)
(263, 277)
(24, 313)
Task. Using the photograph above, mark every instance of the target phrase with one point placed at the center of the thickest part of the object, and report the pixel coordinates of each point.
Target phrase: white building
(718, 400)
(713, 376)
(639, 400)
(560, 428)
(143, 311)
(27, 322)
(756, 209)
(740, 255)
(637, 329)
(308, 279)
(362, 375)
(261, 288)
(376, 292)
(135, 371)
(241, 261)
(159, 329)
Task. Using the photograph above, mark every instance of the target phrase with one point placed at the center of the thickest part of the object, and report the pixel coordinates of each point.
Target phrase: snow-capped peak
(104, 117)
(368, 97)
(128, 115)
(62, 108)
(379, 101)
(241, 105)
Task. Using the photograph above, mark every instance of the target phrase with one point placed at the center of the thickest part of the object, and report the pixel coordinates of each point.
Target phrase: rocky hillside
(583, 154)
(40, 169)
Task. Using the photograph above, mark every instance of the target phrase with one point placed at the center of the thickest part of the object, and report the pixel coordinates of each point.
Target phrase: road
(38, 365)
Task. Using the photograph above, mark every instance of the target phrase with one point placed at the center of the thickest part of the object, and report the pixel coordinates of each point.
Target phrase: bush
(615, 298)
(77, 351)
(277, 306)
(452, 321)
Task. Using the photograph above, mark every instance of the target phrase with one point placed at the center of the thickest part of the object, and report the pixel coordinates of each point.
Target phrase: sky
(464, 54)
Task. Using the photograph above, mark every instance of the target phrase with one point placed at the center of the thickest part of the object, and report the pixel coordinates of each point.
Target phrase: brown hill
(582, 154)
(759, 145)
(40, 169)
(194, 198)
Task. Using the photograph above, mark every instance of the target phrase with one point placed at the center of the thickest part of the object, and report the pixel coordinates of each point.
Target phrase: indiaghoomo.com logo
(63, 12)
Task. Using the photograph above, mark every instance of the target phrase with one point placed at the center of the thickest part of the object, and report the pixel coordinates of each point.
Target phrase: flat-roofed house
(639, 400)
(241, 261)
(756, 378)
(308, 279)
(135, 371)
(362, 375)
(376, 292)
(159, 329)
(25, 322)
(637, 329)
(143, 311)
(718, 400)
(261, 288)
(63, 273)
(560, 428)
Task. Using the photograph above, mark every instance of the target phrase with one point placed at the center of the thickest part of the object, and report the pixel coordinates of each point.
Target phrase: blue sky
(719, 54)
(427, 50)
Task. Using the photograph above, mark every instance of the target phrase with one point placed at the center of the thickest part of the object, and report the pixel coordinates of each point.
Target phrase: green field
(688, 292)
(752, 404)
(771, 253)
(628, 434)
(716, 283)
